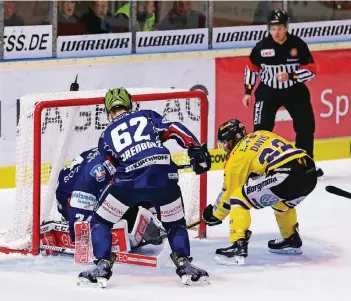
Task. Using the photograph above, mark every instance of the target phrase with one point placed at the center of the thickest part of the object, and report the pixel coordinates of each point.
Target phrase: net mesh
(68, 131)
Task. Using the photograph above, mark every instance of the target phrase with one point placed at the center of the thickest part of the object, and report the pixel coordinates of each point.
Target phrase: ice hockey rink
(322, 272)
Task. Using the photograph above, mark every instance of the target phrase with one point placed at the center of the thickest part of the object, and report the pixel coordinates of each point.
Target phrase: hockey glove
(200, 158)
(209, 218)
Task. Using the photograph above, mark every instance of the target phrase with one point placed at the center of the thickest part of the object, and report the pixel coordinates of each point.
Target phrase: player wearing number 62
(144, 173)
(262, 169)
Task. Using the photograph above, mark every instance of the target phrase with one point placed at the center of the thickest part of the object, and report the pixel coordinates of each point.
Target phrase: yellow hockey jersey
(257, 153)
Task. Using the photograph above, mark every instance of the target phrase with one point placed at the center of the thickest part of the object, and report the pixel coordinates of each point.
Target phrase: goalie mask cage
(55, 128)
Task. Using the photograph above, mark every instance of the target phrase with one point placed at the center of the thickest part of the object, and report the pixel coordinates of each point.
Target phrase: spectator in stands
(264, 8)
(66, 12)
(182, 16)
(41, 13)
(10, 16)
(98, 19)
(145, 15)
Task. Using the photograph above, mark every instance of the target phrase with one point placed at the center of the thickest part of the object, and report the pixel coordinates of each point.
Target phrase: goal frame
(37, 119)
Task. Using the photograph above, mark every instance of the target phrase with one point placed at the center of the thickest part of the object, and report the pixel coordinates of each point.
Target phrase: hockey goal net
(55, 128)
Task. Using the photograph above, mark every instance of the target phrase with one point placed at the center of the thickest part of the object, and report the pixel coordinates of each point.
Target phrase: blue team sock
(178, 237)
(101, 239)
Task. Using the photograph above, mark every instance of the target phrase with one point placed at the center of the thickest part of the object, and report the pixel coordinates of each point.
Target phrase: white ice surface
(322, 273)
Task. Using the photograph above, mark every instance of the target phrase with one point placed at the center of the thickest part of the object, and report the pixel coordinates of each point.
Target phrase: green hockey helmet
(118, 97)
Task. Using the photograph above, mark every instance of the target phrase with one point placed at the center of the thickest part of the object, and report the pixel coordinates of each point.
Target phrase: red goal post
(40, 106)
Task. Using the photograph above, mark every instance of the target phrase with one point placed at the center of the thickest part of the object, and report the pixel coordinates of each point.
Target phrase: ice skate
(98, 275)
(188, 272)
(290, 245)
(236, 253)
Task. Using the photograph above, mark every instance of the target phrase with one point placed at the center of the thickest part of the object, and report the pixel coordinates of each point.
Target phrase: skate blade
(84, 282)
(186, 279)
(102, 282)
(235, 260)
(288, 251)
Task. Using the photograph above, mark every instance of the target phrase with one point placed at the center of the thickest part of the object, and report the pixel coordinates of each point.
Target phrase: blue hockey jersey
(135, 141)
(80, 184)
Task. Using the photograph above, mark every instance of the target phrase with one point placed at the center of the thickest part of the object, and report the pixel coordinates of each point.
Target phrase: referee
(284, 63)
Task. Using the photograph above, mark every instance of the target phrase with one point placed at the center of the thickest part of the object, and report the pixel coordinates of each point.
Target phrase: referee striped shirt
(269, 58)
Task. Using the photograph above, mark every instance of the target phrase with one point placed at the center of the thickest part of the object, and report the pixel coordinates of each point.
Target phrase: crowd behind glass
(94, 17)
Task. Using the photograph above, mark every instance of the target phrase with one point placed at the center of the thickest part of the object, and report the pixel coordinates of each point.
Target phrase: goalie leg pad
(143, 219)
(145, 228)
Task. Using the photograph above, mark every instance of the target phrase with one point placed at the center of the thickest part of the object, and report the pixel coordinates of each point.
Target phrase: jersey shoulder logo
(98, 172)
(267, 52)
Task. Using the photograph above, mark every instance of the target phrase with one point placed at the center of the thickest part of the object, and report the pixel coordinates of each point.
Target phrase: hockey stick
(194, 224)
(338, 191)
(56, 249)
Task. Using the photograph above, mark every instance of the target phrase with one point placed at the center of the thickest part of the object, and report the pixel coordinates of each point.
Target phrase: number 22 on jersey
(268, 154)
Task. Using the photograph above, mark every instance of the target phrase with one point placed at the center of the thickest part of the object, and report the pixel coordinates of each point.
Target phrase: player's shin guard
(286, 219)
(240, 221)
(178, 237)
(290, 243)
(101, 237)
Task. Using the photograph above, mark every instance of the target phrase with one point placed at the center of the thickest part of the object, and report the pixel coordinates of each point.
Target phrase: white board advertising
(310, 32)
(172, 40)
(21, 42)
(191, 74)
(94, 45)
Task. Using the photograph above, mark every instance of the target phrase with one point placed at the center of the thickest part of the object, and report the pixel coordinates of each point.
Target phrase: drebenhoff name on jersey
(132, 151)
(154, 159)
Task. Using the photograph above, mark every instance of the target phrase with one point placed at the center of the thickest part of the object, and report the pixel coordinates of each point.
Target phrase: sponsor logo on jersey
(92, 155)
(98, 172)
(71, 174)
(293, 52)
(173, 176)
(111, 169)
(267, 52)
(83, 200)
(269, 200)
(155, 159)
(258, 187)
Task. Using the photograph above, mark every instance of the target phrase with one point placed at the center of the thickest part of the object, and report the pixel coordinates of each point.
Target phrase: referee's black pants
(296, 101)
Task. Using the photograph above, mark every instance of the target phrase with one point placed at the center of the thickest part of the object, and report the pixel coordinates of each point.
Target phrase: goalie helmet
(278, 17)
(118, 97)
(232, 130)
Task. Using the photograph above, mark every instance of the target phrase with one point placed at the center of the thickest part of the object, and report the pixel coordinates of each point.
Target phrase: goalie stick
(338, 191)
(70, 251)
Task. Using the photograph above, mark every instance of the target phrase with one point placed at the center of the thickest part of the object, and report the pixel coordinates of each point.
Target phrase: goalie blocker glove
(209, 218)
(200, 158)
